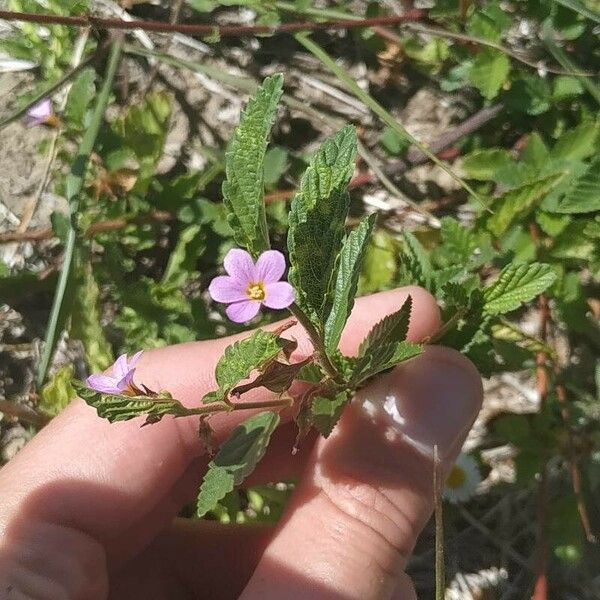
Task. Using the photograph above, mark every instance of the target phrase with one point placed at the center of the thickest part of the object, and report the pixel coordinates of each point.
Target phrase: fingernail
(431, 400)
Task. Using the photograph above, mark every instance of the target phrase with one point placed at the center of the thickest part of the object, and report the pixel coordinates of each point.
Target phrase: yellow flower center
(457, 478)
(256, 291)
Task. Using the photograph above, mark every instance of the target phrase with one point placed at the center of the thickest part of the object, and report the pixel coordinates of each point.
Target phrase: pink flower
(40, 113)
(121, 380)
(247, 285)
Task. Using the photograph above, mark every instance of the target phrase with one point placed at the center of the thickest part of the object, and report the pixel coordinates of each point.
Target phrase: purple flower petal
(270, 266)
(103, 383)
(133, 360)
(240, 312)
(279, 295)
(227, 289)
(239, 265)
(39, 113)
(120, 368)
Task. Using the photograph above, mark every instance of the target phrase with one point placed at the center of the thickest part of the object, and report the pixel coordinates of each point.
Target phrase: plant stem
(440, 568)
(223, 407)
(74, 185)
(202, 29)
(315, 337)
(379, 110)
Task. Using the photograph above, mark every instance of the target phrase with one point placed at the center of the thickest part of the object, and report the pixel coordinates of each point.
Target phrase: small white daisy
(463, 480)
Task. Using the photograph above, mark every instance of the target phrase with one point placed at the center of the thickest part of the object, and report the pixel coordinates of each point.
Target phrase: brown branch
(199, 29)
(24, 413)
(46, 233)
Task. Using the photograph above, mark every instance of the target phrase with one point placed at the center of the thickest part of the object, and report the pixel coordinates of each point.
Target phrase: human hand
(88, 508)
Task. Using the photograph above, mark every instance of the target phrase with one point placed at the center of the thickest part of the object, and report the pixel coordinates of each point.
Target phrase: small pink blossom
(248, 285)
(40, 113)
(121, 379)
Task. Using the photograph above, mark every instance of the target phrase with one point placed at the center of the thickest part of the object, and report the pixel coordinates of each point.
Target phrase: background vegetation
(114, 224)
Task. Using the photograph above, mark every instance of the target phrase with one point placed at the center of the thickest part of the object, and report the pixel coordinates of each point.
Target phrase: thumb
(368, 489)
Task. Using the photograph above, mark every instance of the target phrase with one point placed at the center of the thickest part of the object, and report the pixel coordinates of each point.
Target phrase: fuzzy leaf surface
(316, 223)
(123, 408)
(346, 283)
(583, 195)
(516, 204)
(386, 345)
(516, 284)
(243, 190)
(236, 459)
(241, 358)
(326, 412)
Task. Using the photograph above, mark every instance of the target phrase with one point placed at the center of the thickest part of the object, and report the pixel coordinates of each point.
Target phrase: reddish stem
(200, 29)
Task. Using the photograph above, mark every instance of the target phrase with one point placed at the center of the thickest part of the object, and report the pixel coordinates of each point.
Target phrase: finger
(368, 489)
(189, 560)
(82, 472)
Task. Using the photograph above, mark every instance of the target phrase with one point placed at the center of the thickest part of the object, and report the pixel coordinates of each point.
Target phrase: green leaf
(566, 86)
(123, 408)
(415, 262)
(385, 345)
(577, 143)
(326, 412)
(241, 358)
(348, 271)
(535, 153)
(316, 219)
(489, 71)
(236, 459)
(244, 187)
(393, 142)
(583, 194)
(143, 129)
(483, 164)
(58, 392)
(516, 204)
(86, 322)
(276, 164)
(379, 263)
(516, 285)
(80, 96)
(184, 257)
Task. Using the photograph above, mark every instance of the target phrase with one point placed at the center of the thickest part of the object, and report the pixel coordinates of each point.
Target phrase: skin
(89, 509)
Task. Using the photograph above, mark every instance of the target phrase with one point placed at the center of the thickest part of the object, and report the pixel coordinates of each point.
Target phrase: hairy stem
(315, 337)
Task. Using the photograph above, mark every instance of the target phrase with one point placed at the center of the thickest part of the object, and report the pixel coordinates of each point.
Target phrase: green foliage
(244, 188)
(241, 358)
(85, 320)
(489, 71)
(516, 285)
(80, 97)
(123, 408)
(236, 459)
(348, 271)
(326, 412)
(386, 344)
(316, 224)
(58, 392)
